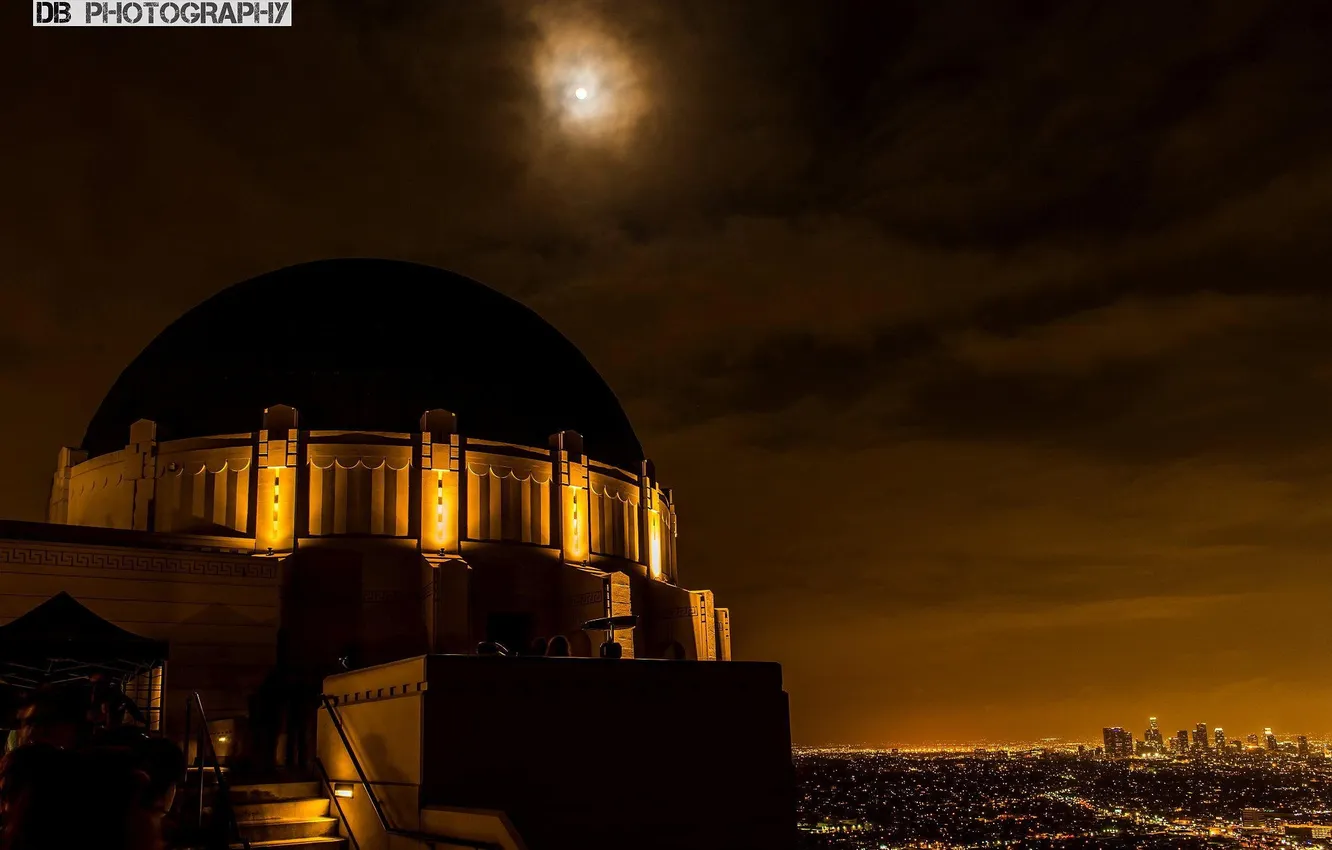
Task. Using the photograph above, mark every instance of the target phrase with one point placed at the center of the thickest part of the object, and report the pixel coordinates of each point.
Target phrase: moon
(593, 87)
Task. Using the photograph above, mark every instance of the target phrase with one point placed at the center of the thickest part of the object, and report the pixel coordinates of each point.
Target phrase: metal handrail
(356, 763)
(384, 824)
(222, 799)
(337, 802)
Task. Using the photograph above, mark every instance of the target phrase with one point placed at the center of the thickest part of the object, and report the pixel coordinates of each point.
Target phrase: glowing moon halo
(592, 87)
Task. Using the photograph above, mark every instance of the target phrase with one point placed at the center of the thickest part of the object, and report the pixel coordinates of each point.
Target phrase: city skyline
(1240, 735)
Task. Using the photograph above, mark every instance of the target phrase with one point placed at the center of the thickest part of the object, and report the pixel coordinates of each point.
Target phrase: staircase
(287, 816)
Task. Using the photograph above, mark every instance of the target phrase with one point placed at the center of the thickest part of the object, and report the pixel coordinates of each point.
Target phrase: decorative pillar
(140, 470)
(619, 603)
(670, 538)
(723, 625)
(440, 471)
(57, 509)
(569, 519)
(705, 631)
(650, 550)
(278, 482)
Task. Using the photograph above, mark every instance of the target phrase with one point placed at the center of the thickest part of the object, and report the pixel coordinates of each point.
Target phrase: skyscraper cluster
(1200, 737)
(1153, 741)
(1119, 742)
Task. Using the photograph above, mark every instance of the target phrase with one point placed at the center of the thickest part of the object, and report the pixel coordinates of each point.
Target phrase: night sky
(987, 345)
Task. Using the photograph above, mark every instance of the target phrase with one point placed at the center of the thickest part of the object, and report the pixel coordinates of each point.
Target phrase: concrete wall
(580, 753)
(218, 612)
(99, 495)
(382, 712)
(358, 596)
(473, 825)
(613, 754)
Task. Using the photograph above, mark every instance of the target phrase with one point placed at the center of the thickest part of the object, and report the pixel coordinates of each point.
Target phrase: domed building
(344, 464)
(415, 435)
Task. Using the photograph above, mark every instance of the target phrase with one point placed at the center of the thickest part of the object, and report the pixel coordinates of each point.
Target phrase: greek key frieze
(41, 556)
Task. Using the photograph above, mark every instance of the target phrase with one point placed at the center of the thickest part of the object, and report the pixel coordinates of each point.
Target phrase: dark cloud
(978, 338)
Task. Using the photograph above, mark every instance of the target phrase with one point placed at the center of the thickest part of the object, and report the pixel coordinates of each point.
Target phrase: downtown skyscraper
(1118, 742)
(1152, 740)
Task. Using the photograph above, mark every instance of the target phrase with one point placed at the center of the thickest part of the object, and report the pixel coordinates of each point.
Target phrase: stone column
(705, 630)
(442, 518)
(619, 602)
(440, 469)
(723, 626)
(277, 487)
(651, 534)
(569, 504)
(140, 466)
(669, 539)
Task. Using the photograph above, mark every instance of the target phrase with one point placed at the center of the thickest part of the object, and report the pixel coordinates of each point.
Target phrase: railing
(332, 792)
(384, 824)
(226, 830)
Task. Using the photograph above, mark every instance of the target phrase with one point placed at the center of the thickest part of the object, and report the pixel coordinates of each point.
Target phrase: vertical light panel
(277, 499)
(575, 524)
(440, 531)
(654, 543)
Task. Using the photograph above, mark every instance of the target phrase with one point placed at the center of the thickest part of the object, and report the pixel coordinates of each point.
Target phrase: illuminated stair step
(278, 830)
(296, 808)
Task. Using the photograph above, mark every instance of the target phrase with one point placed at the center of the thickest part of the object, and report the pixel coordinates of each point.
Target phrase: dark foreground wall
(594, 754)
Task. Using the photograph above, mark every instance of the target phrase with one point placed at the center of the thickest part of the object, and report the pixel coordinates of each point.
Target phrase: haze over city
(987, 346)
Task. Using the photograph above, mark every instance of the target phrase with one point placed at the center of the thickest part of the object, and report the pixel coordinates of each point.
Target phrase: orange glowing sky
(989, 353)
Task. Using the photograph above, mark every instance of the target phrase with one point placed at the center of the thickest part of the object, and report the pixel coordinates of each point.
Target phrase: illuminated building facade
(1219, 736)
(1153, 740)
(1182, 741)
(349, 463)
(417, 488)
(1118, 742)
(1200, 736)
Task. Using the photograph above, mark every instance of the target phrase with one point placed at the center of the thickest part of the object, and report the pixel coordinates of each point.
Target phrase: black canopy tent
(61, 641)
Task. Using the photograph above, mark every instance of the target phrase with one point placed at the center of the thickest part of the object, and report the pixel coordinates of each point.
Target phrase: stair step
(280, 830)
(321, 843)
(293, 809)
(275, 791)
